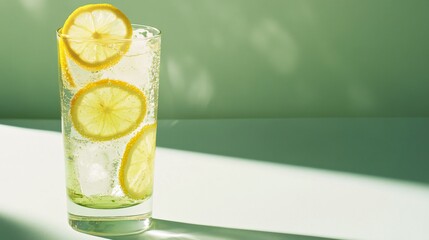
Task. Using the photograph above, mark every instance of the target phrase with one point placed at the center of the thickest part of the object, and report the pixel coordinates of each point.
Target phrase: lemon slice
(97, 35)
(107, 109)
(64, 68)
(136, 171)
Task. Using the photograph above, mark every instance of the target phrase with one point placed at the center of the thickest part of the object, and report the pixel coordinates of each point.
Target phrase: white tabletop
(220, 191)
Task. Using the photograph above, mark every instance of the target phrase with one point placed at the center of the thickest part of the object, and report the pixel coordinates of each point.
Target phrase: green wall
(243, 58)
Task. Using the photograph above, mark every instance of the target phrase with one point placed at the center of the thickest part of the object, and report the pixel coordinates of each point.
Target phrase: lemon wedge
(96, 36)
(136, 170)
(64, 68)
(107, 109)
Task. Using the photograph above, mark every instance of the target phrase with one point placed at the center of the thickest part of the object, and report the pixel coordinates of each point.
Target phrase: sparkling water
(92, 167)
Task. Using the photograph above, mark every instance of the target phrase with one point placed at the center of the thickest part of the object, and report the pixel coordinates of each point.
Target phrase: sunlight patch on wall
(276, 45)
(35, 8)
(190, 81)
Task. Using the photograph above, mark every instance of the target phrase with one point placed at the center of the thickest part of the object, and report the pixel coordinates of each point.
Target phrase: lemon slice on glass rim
(136, 170)
(107, 109)
(96, 36)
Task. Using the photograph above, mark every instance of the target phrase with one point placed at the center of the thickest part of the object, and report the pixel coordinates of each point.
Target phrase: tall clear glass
(109, 119)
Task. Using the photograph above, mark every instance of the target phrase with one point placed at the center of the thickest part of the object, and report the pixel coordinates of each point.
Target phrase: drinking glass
(109, 122)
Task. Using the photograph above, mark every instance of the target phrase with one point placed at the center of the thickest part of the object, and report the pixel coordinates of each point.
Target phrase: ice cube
(94, 169)
(142, 42)
(141, 33)
(134, 67)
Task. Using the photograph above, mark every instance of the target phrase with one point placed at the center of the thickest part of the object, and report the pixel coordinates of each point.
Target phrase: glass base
(110, 222)
(110, 226)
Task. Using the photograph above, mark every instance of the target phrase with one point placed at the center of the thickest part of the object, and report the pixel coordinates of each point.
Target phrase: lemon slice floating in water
(96, 36)
(107, 109)
(136, 171)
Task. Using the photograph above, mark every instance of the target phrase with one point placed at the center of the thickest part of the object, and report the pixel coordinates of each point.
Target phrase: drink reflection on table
(162, 229)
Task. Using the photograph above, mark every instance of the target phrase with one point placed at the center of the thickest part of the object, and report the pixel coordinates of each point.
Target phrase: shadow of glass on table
(14, 229)
(162, 229)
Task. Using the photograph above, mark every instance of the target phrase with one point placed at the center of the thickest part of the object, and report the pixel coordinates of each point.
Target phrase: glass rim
(155, 31)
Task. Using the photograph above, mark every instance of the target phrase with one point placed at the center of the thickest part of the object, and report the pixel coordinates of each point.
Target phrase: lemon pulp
(107, 109)
(136, 170)
(96, 36)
